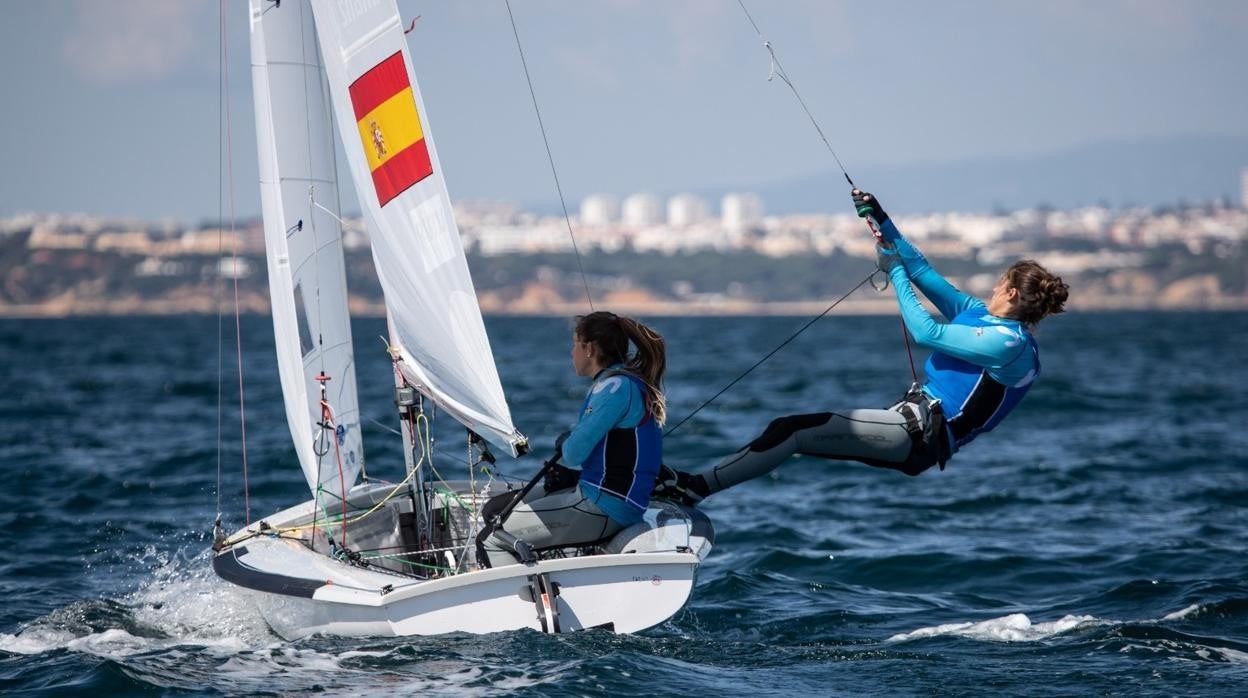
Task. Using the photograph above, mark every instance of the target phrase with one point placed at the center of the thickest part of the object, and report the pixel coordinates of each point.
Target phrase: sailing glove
(559, 477)
(886, 258)
(867, 205)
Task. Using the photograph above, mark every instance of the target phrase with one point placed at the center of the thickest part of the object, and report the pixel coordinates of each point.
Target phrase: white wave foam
(1234, 656)
(35, 640)
(113, 643)
(304, 668)
(1016, 627)
(186, 600)
(1179, 615)
(183, 609)
(183, 603)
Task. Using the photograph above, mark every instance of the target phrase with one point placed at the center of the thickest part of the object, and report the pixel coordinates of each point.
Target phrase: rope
(398, 558)
(327, 519)
(423, 434)
(772, 352)
(905, 336)
(472, 470)
(316, 508)
(533, 95)
(327, 416)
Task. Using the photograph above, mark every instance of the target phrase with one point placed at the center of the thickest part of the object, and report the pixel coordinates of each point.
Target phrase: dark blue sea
(1094, 544)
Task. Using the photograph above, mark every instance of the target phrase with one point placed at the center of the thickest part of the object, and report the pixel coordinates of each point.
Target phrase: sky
(117, 108)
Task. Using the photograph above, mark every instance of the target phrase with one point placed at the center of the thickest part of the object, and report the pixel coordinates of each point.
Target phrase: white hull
(643, 577)
(622, 593)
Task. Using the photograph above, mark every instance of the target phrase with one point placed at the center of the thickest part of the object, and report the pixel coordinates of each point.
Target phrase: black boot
(679, 487)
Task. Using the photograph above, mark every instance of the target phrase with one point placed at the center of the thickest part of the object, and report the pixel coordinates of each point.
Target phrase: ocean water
(1094, 544)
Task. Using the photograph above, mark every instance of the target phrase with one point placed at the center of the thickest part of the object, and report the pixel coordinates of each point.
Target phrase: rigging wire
(771, 353)
(777, 70)
(550, 157)
(238, 325)
(217, 290)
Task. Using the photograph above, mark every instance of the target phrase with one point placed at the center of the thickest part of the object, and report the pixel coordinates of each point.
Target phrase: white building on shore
(600, 209)
(1243, 188)
(642, 210)
(740, 212)
(686, 209)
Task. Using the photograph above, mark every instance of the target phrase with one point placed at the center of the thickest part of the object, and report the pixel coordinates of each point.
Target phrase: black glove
(867, 205)
(559, 477)
(886, 258)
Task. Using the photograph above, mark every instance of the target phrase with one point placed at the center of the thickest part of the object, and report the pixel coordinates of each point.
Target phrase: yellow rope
(326, 521)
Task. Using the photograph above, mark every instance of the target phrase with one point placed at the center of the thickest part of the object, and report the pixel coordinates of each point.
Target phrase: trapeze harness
(622, 467)
(960, 400)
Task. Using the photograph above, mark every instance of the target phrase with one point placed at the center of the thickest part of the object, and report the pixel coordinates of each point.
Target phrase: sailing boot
(679, 487)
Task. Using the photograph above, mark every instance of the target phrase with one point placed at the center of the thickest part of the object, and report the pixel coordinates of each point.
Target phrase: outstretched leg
(882, 438)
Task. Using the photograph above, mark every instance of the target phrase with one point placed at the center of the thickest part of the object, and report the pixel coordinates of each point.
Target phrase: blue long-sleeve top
(617, 445)
(614, 402)
(981, 365)
(1002, 352)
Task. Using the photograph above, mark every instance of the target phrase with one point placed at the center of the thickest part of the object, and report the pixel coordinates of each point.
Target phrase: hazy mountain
(1149, 173)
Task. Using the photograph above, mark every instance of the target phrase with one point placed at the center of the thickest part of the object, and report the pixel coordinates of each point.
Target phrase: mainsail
(307, 275)
(436, 322)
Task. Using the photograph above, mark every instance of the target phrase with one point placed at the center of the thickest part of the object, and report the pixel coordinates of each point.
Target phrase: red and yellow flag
(385, 111)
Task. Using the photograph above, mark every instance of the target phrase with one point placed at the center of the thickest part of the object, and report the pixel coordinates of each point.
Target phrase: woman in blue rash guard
(617, 444)
(984, 359)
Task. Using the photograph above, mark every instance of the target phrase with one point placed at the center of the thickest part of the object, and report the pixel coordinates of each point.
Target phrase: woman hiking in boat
(617, 444)
(983, 361)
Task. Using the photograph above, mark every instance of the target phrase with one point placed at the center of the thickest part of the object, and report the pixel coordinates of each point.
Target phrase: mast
(407, 401)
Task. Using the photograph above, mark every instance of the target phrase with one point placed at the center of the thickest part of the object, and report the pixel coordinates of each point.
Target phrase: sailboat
(367, 558)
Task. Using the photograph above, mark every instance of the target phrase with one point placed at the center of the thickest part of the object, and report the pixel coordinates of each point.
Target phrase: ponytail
(650, 362)
(611, 333)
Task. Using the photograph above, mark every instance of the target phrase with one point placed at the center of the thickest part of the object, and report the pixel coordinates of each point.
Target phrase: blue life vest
(625, 464)
(973, 401)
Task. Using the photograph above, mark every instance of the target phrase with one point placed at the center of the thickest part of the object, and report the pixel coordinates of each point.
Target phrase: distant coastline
(1186, 258)
(251, 305)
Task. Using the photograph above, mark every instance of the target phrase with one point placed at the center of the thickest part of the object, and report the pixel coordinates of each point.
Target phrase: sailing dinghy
(369, 558)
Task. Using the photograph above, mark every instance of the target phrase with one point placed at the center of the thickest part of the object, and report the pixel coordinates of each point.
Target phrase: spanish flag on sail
(385, 111)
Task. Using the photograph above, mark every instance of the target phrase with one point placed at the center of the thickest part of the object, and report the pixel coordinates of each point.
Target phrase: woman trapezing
(984, 359)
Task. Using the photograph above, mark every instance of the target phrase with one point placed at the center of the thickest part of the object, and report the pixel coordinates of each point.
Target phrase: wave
(1150, 635)
(182, 603)
(1016, 627)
